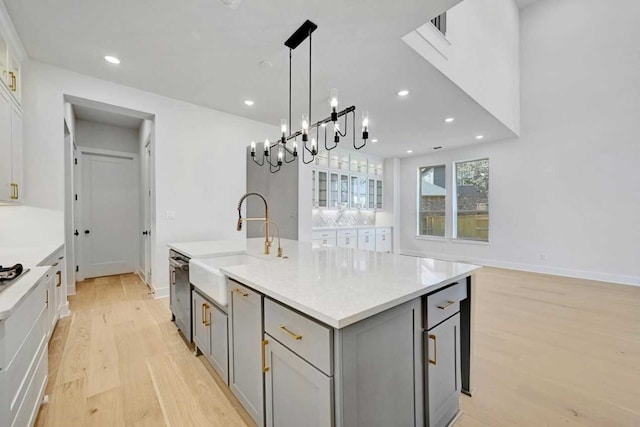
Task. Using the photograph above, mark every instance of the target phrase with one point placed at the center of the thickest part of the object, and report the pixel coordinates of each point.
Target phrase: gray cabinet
(245, 349)
(443, 371)
(297, 394)
(201, 322)
(210, 334)
(379, 371)
(219, 354)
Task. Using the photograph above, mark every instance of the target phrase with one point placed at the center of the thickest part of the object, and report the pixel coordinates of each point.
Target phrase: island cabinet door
(245, 376)
(201, 323)
(297, 394)
(219, 343)
(443, 371)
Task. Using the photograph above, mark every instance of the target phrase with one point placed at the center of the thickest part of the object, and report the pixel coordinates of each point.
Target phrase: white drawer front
(366, 232)
(305, 337)
(383, 230)
(18, 325)
(347, 233)
(445, 303)
(320, 235)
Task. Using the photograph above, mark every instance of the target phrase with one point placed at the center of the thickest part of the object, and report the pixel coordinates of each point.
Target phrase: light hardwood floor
(550, 351)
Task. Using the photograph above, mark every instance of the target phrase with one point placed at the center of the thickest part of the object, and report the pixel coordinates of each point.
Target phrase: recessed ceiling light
(409, 151)
(449, 119)
(374, 140)
(112, 59)
(403, 92)
(248, 102)
(479, 137)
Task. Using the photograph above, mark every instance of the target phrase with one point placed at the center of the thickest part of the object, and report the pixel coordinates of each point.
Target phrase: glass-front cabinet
(319, 189)
(343, 179)
(358, 192)
(338, 190)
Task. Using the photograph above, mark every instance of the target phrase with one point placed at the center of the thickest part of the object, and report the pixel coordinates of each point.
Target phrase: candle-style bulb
(253, 146)
(280, 155)
(305, 127)
(266, 147)
(314, 146)
(365, 125)
(333, 102)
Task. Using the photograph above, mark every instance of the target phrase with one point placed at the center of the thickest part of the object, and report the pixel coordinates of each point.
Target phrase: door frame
(147, 201)
(134, 157)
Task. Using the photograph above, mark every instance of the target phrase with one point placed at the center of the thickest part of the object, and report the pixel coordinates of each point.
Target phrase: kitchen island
(340, 337)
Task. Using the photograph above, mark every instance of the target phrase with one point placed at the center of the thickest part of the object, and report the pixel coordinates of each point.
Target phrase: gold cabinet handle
(205, 321)
(17, 192)
(13, 84)
(14, 191)
(265, 368)
(59, 274)
(239, 291)
(435, 350)
(291, 334)
(447, 305)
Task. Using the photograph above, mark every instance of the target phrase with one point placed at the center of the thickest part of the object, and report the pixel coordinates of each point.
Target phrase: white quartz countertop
(210, 248)
(341, 286)
(28, 236)
(348, 227)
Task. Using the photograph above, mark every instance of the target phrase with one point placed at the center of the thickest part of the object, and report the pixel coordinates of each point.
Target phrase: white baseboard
(161, 293)
(65, 312)
(557, 271)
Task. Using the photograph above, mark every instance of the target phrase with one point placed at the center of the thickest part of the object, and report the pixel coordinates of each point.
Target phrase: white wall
(199, 156)
(106, 137)
(569, 187)
(480, 54)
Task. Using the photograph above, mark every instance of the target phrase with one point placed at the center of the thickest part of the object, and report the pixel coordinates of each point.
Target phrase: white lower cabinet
(367, 239)
(383, 240)
(297, 394)
(210, 325)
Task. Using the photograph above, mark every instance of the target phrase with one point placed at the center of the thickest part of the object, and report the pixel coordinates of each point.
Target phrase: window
(432, 201)
(471, 200)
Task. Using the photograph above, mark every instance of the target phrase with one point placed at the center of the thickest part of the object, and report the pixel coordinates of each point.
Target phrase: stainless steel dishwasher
(180, 292)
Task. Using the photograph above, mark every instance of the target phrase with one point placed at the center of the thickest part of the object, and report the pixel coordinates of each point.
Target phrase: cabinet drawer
(366, 232)
(15, 329)
(444, 303)
(319, 235)
(383, 231)
(347, 233)
(319, 243)
(305, 337)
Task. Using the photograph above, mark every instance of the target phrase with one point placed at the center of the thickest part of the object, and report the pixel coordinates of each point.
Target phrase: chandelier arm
(354, 134)
(256, 162)
(325, 141)
(346, 116)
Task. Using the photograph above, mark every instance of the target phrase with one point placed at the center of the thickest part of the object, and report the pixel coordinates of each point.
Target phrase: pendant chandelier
(277, 153)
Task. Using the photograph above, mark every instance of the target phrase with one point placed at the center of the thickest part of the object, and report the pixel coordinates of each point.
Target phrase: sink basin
(204, 273)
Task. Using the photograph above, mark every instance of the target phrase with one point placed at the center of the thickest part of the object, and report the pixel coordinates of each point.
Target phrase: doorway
(111, 190)
(108, 212)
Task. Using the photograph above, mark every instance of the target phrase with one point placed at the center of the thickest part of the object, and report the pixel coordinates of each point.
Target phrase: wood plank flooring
(550, 351)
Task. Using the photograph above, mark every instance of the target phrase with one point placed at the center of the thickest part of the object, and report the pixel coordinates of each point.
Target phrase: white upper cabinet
(11, 150)
(343, 179)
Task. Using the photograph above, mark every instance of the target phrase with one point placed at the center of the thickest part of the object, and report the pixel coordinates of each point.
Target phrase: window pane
(432, 201)
(472, 200)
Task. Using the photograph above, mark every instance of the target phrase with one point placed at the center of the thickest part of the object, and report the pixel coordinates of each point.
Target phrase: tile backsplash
(342, 218)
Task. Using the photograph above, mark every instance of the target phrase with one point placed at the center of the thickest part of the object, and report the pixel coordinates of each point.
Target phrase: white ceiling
(206, 53)
(106, 117)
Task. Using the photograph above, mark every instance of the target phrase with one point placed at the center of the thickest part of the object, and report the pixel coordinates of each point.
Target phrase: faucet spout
(267, 243)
